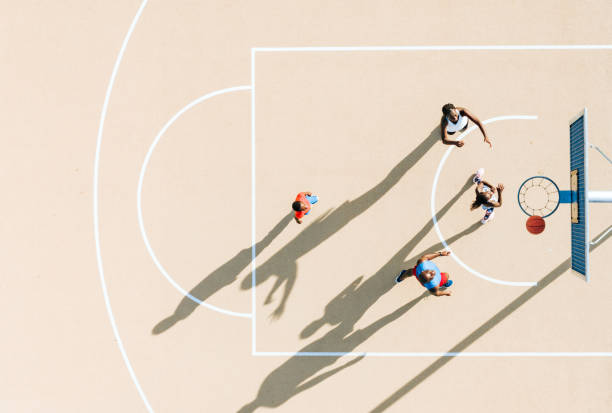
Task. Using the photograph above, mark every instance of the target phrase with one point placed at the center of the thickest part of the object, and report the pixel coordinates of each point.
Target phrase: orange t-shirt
(302, 198)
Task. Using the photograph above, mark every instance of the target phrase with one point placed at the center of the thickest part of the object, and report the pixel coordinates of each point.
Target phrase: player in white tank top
(459, 125)
(455, 119)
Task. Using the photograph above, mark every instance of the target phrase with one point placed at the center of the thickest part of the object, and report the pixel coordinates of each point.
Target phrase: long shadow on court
(283, 264)
(219, 278)
(292, 376)
(295, 375)
(482, 330)
(355, 300)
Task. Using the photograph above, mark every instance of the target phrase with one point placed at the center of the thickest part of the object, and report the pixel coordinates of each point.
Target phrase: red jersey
(301, 197)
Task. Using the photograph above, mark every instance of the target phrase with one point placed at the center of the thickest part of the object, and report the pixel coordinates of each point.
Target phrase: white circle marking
(143, 170)
(433, 207)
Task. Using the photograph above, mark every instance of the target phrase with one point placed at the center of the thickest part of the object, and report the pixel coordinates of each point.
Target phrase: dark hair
(446, 109)
(480, 200)
(297, 206)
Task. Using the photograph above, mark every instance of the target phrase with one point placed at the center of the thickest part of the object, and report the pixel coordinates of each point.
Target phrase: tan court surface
(359, 129)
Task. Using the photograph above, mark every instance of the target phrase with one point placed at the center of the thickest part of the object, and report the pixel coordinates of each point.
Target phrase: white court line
(143, 170)
(426, 48)
(253, 248)
(405, 48)
(433, 208)
(109, 309)
(253, 50)
(438, 354)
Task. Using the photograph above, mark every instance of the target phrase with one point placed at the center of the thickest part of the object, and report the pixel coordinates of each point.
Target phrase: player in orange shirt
(302, 204)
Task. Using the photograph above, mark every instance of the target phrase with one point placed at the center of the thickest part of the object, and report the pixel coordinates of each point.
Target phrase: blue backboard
(579, 187)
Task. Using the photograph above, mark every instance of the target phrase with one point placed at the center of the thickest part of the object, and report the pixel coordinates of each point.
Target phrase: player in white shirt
(455, 119)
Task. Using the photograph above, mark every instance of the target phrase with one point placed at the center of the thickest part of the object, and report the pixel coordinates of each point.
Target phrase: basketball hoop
(539, 195)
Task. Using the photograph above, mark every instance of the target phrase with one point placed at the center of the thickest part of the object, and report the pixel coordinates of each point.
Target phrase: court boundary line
(143, 171)
(96, 222)
(436, 354)
(253, 220)
(254, 51)
(430, 48)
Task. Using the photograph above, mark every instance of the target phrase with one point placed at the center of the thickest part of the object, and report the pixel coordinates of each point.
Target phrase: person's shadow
(219, 278)
(344, 311)
(283, 264)
(353, 302)
(486, 326)
(293, 376)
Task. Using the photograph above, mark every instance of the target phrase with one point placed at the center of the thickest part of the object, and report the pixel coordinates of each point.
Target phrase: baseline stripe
(436, 354)
(426, 48)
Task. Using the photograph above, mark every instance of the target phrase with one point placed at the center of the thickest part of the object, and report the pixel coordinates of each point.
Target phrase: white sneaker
(488, 217)
(478, 176)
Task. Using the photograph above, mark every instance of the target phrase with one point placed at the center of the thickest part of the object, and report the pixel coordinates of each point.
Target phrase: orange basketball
(535, 224)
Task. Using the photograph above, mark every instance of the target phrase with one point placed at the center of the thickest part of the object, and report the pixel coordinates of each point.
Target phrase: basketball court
(152, 262)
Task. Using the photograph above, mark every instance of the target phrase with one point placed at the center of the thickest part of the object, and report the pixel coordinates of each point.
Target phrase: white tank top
(493, 196)
(457, 126)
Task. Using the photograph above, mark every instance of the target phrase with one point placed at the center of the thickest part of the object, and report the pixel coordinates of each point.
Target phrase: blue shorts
(312, 199)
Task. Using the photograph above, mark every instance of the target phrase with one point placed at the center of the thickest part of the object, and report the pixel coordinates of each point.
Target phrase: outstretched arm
(500, 189)
(477, 122)
(429, 257)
